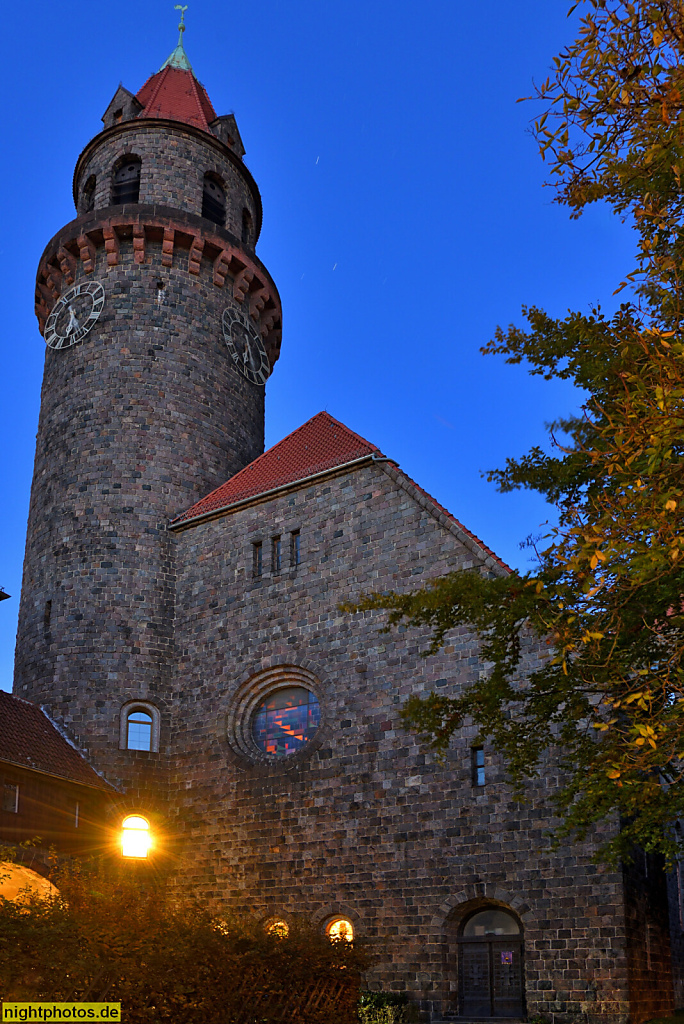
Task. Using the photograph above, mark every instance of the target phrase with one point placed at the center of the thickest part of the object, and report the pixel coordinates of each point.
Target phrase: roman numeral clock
(74, 314)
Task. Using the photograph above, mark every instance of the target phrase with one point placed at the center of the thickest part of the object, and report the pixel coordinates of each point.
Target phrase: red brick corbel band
(182, 245)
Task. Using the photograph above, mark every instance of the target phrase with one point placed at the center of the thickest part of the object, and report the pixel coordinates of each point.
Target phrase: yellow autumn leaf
(670, 505)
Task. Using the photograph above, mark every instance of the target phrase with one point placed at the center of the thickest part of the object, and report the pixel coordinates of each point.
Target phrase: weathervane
(181, 27)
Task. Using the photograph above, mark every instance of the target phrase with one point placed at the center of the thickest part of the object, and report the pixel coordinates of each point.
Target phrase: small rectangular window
(47, 616)
(295, 549)
(10, 797)
(76, 814)
(257, 558)
(276, 555)
(478, 766)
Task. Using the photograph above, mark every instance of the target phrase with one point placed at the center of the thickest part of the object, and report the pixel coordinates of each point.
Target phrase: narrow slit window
(77, 813)
(257, 558)
(88, 198)
(295, 548)
(246, 227)
(276, 554)
(47, 616)
(478, 766)
(10, 797)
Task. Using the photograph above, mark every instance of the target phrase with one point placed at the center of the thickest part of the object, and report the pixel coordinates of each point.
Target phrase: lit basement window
(135, 837)
(340, 928)
(280, 929)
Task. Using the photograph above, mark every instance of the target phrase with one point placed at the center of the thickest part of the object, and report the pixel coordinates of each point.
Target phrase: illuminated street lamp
(135, 837)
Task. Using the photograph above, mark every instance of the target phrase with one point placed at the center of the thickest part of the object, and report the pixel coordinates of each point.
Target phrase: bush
(121, 940)
(386, 1008)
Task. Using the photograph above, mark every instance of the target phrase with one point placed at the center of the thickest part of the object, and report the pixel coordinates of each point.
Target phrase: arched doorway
(490, 965)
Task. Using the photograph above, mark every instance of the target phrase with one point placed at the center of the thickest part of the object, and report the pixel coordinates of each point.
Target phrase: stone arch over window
(214, 199)
(277, 718)
(483, 968)
(333, 914)
(139, 726)
(88, 194)
(126, 180)
(247, 227)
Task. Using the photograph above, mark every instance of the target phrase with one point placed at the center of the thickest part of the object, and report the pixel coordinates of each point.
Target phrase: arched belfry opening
(126, 181)
(214, 200)
(490, 964)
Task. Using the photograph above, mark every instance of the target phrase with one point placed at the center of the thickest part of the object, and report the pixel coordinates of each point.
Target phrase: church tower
(161, 327)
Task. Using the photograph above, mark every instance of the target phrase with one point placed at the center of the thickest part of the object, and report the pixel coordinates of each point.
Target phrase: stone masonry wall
(365, 823)
(648, 938)
(174, 162)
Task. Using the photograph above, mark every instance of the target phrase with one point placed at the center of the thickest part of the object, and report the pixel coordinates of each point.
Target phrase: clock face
(74, 314)
(245, 346)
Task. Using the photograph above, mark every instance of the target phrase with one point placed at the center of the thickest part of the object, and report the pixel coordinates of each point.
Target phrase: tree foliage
(119, 938)
(606, 596)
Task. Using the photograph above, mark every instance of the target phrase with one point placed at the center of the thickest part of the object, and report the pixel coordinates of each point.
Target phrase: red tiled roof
(28, 738)
(177, 95)
(320, 444)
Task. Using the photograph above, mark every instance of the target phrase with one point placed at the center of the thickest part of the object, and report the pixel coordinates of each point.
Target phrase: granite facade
(137, 422)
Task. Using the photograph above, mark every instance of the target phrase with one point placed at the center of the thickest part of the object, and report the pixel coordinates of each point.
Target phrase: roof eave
(103, 787)
(257, 499)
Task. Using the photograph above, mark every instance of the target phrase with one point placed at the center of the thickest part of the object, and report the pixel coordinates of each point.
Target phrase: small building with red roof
(50, 795)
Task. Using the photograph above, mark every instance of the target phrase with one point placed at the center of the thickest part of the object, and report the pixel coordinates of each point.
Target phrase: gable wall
(367, 824)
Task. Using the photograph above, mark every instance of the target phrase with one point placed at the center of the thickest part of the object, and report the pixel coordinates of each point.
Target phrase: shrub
(120, 939)
(386, 1008)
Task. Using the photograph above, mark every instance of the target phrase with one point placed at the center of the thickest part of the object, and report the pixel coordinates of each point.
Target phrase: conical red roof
(175, 94)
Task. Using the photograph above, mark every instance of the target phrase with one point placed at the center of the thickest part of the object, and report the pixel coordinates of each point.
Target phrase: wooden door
(490, 978)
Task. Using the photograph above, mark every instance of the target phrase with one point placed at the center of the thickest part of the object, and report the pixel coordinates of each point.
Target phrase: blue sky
(404, 218)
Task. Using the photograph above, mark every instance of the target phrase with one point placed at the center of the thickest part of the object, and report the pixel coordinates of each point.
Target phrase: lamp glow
(135, 837)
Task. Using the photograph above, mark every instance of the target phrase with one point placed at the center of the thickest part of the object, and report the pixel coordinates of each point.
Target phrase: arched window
(213, 200)
(139, 727)
(340, 928)
(246, 227)
(286, 720)
(135, 836)
(88, 194)
(278, 928)
(139, 732)
(126, 181)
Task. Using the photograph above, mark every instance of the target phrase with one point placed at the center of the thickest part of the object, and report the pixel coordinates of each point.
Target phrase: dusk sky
(404, 218)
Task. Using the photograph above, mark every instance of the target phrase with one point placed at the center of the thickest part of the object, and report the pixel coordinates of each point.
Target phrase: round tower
(161, 326)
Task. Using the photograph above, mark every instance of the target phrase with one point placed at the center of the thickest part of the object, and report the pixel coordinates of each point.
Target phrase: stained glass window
(286, 720)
